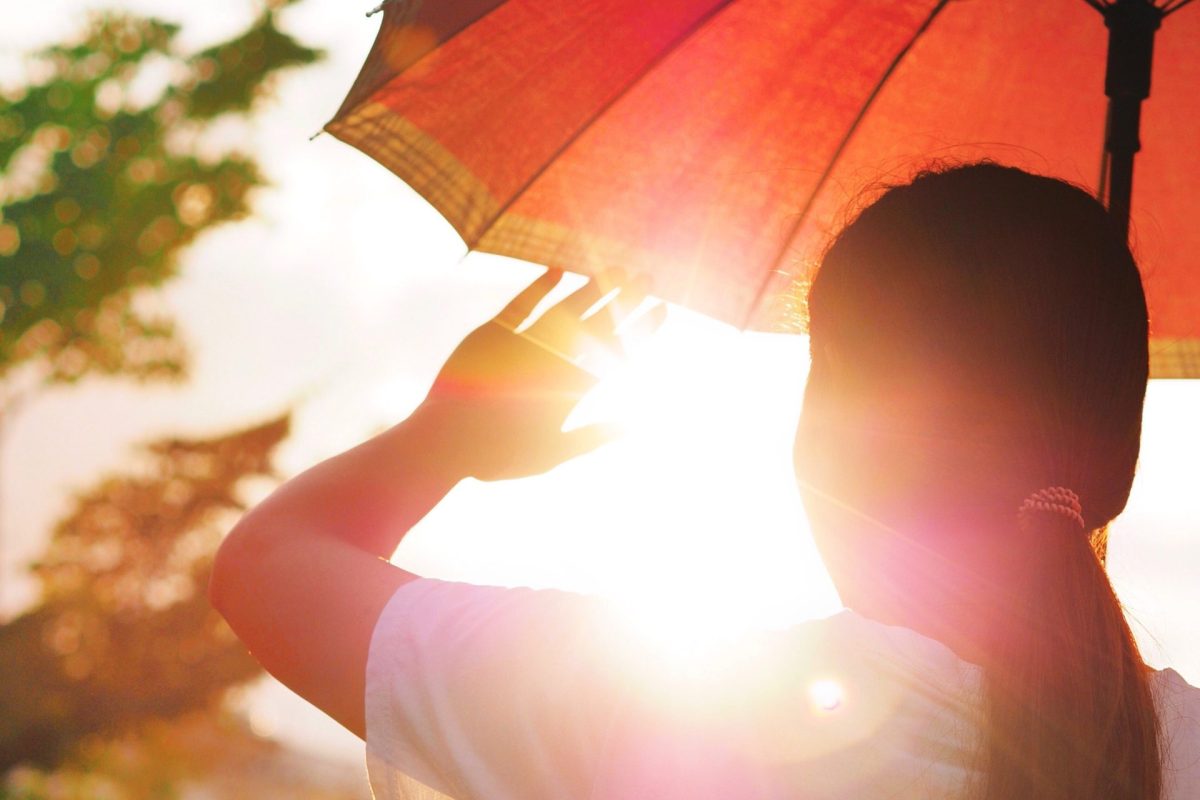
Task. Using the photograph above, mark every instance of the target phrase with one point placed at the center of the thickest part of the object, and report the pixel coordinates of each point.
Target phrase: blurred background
(198, 300)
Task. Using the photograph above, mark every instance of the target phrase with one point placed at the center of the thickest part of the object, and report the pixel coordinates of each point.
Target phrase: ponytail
(1068, 705)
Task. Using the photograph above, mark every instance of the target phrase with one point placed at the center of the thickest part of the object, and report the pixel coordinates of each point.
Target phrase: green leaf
(231, 76)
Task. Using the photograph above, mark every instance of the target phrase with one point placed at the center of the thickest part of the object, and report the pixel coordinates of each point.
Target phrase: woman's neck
(938, 597)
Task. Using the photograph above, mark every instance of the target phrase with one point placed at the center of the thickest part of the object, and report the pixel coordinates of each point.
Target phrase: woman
(969, 429)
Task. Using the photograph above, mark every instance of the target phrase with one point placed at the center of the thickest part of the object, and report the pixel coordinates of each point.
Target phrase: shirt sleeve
(478, 691)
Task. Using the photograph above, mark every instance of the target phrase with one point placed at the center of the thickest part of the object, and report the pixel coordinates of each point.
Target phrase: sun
(710, 414)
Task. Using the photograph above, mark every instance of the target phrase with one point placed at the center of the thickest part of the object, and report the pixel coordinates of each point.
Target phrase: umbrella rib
(697, 25)
(1096, 4)
(833, 159)
(1171, 8)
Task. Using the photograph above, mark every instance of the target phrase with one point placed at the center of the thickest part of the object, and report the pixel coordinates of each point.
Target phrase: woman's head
(977, 335)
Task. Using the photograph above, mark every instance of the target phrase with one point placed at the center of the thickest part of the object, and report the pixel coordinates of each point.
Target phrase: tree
(105, 178)
(124, 633)
(102, 186)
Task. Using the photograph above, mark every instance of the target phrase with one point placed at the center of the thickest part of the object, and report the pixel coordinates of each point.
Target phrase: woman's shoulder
(1173, 689)
(1179, 726)
(845, 706)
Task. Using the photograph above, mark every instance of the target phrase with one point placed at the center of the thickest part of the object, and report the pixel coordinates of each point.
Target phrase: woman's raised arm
(303, 576)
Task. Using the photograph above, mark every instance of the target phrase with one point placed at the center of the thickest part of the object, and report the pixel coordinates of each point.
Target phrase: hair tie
(1054, 500)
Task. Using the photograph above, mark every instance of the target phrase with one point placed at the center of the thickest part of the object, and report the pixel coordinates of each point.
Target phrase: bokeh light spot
(33, 293)
(10, 239)
(65, 241)
(67, 210)
(193, 203)
(87, 266)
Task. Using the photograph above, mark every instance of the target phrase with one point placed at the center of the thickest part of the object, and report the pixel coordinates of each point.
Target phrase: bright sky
(345, 293)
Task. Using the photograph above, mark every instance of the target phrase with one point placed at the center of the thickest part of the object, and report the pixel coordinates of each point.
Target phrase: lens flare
(826, 695)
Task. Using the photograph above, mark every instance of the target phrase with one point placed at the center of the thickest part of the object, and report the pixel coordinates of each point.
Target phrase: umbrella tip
(379, 8)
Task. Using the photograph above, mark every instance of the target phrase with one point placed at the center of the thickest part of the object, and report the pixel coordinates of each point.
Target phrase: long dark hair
(979, 334)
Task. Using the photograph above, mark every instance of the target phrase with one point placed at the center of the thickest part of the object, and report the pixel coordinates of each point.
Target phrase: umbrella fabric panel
(694, 175)
(687, 140)
(676, 140)
(482, 114)
(1023, 84)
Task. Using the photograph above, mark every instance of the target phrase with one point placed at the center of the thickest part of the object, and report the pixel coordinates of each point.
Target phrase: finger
(521, 306)
(565, 326)
(586, 439)
(583, 298)
(645, 325)
(631, 296)
(616, 307)
(602, 326)
(613, 312)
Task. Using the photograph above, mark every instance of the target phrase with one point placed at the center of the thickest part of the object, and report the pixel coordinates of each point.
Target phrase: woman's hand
(304, 575)
(499, 402)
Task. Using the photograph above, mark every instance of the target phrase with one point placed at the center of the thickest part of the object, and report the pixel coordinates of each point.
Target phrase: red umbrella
(711, 144)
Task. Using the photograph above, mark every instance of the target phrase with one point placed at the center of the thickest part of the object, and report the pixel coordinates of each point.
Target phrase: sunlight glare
(710, 414)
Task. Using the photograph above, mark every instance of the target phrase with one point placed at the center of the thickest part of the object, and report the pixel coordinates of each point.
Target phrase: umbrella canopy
(714, 145)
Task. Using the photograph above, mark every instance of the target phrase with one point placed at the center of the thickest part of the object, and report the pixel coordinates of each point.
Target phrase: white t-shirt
(520, 694)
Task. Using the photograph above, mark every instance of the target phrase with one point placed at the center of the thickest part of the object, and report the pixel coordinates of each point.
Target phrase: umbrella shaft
(1131, 27)
(1118, 180)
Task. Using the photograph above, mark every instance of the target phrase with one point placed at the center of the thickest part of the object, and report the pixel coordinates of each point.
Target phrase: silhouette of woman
(970, 428)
